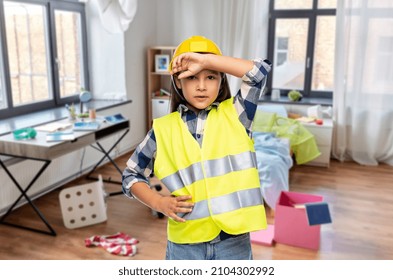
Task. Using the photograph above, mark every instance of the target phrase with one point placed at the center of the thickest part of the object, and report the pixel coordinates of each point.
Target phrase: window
(43, 62)
(384, 59)
(301, 44)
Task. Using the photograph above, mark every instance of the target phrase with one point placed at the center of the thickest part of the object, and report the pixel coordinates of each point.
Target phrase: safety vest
(221, 175)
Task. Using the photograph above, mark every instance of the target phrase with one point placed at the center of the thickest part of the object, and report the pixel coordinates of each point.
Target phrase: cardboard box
(291, 224)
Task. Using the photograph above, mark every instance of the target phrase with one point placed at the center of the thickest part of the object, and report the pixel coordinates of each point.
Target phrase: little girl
(202, 152)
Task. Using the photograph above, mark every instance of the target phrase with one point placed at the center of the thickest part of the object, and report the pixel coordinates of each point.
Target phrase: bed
(277, 140)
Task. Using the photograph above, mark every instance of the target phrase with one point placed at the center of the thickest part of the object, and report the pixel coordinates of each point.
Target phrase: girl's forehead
(208, 72)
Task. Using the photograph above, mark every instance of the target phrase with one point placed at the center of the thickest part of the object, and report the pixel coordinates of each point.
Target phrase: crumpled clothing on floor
(117, 244)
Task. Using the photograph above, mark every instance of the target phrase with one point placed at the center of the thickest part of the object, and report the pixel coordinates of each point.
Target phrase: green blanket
(302, 142)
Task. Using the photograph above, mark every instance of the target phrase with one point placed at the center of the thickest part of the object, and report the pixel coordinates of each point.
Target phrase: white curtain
(116, 15)
(363, 96)
(240, 28)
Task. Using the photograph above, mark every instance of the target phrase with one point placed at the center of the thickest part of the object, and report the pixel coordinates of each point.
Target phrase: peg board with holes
(83, 205)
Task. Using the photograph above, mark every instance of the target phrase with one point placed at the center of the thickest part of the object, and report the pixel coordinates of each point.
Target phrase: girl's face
(200, 90)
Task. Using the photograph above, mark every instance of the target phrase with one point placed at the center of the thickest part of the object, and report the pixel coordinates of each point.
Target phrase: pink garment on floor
(117, 244)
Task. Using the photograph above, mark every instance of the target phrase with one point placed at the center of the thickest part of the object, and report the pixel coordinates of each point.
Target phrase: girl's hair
(176, 100)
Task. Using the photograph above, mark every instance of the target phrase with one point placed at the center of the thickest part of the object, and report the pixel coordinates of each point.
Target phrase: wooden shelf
(156, 80)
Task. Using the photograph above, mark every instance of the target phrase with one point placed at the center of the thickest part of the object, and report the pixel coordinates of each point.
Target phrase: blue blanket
(274, 162)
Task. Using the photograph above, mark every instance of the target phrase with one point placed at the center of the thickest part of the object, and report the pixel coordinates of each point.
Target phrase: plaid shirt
(140, 165)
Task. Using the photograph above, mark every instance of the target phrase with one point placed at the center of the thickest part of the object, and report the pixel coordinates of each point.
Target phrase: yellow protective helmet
(198, 44)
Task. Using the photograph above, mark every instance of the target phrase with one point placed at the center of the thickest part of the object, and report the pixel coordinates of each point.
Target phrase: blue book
(115, 118)
(318, 213)
(86, 126)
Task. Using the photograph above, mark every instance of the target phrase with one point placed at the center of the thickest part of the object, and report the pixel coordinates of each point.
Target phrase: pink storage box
(264, 236)
(291, 224)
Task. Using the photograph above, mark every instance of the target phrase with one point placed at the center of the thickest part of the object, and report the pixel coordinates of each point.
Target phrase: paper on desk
(52, 127)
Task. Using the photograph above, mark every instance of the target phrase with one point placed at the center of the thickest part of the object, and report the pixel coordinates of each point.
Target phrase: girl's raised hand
(188, 64)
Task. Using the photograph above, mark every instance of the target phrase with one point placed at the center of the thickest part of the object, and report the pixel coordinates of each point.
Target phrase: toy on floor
(117, 244)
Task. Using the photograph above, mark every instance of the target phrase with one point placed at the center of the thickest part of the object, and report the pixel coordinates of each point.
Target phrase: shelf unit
(157, 80)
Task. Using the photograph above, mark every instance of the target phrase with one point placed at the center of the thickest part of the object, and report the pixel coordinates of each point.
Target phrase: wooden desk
(40, 150)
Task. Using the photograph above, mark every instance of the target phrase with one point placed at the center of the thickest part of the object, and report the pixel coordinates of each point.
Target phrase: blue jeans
(234, 248)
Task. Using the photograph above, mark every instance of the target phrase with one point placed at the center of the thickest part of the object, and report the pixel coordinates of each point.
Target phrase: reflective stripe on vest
(213, 168)
(225, 203)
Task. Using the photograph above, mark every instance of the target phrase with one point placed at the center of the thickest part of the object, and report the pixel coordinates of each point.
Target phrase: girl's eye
(211, 77)
(191, 78)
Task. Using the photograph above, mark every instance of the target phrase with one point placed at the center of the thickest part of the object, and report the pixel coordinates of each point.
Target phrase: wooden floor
(360, 200)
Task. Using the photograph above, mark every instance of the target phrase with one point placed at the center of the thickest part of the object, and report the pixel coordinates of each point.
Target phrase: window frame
(56, 101)
(311, 15)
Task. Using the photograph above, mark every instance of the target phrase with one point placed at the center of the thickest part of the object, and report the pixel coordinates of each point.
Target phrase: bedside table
(323, 136)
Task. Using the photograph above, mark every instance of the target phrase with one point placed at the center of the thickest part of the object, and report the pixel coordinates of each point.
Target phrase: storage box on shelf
(157, 80)
(160, 107)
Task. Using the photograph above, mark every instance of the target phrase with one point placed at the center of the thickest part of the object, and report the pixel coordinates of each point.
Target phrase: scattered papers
(52, 127)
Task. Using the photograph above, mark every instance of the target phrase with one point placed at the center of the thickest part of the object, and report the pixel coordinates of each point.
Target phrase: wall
(141, 34)
(106, 58)
(165, 26)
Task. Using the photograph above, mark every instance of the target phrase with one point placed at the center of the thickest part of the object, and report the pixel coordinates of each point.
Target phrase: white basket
(83, 205)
